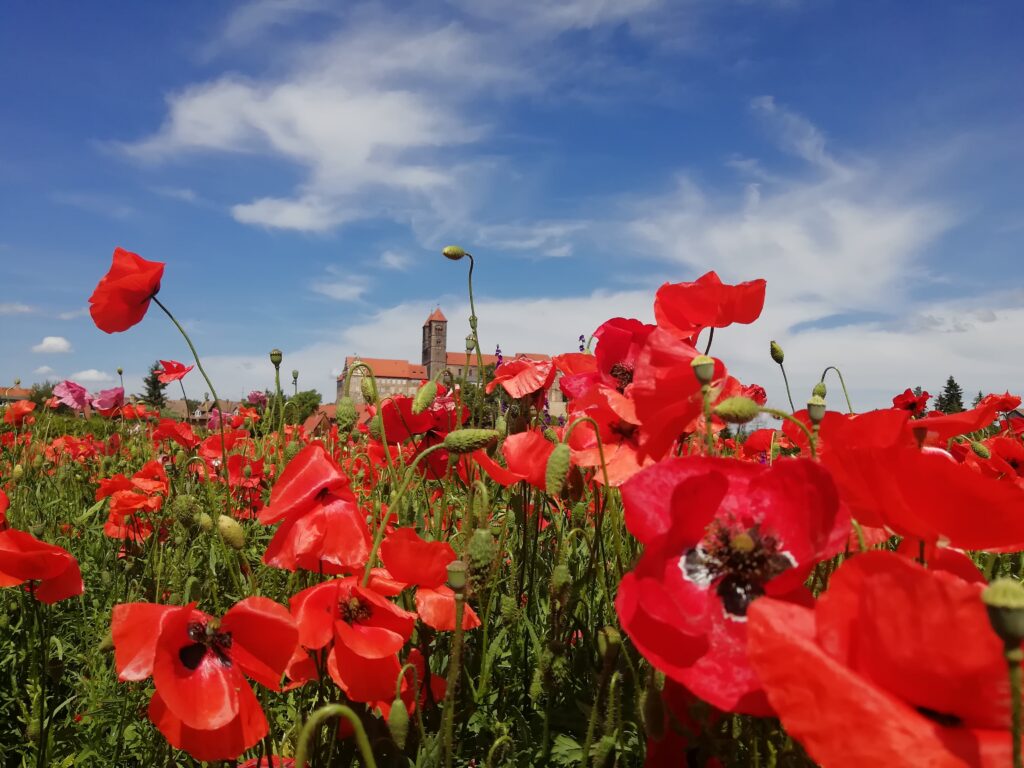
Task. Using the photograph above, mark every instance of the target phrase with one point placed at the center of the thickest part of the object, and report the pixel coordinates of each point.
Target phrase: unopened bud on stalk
(231, 532)
(1004, 599)
(398, 722)
(276, 357)
(470, 343)
(290, 451)
(345, 414)
(557, 469)
(120, 370)
(469, 440)
(424, 397)
(776, 351)
(550, 435)
(453, 252)
(376, 427)
(18, 472)
(295, 375)
(368, 388)
(481, 548)
(205, 522)
(501, 426)
(819, 389)
(980, 449)
(608, 641)
(652, 711)
(737, 410)
(703, 368)
(816, 408)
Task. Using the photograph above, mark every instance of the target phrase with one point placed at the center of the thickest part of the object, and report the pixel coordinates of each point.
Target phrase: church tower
(435, 343)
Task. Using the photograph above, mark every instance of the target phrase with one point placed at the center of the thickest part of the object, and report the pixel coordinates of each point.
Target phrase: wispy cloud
(340, 285)
(52, 345)
(395, 260)
(15, 308)
(545, 238)
(44, 370)
(73, 314)
(100, 204)
(183, 194)
(91, 376)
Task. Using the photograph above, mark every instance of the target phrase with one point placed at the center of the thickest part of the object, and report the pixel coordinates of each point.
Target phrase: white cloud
(543, 238)
(341, 285)
(15, 308)
(73, 314)
(100, 204)
(53, 344)
(91, 376)
(185, 195)
(395, 260)
(44, 370)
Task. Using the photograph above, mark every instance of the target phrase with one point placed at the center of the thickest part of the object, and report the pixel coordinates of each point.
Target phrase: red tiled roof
(389, 369)
(14, 393)
(459, 358)
(436, 316)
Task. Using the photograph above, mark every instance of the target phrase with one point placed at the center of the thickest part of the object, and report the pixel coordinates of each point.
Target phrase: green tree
(301, 406)
(952, 398)
(977, 399)
(40, 393)
(154, 395)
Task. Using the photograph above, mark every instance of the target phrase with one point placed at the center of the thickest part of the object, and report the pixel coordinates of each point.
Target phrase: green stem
(453, 680)
(788, 417)
(785, 380)
(842, 383)
(1014, 656)
(313, 724)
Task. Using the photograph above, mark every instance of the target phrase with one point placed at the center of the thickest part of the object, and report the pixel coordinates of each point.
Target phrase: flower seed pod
(776, 352)
(368, 388)
(737, 410)
(469, 440)
(1004, 599)
(703, 368)
(453, 252)
(398, 722)
(424, 397)
(816, 408)
(231, 532)
(557, 469)
(276, 357)
(345, 414)
(457, 575)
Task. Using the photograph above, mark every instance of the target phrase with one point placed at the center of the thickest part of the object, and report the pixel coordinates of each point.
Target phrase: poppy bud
(603, 749)
(295, 375)
(1004, 599)
(457, 570)
(205, 522)
(276, 357)
(481, 548)
(981, 449)
(816, 409)
(737, 410)
(120, 371)
(17, 472)
(376, 427)
(231, 532)
(608, 642)
(537, 685)
(368, 387)
(550, 435)
(819, 389)
(501, 426)
(509, 609)
(557, 468)
(453, 252)
(652, 711)
(703, 368)
(185, 508)
(290, 451)
(345, 414)
(424, 397)
(561, 578)
(777, 354)
(469, 440)
(398, 722)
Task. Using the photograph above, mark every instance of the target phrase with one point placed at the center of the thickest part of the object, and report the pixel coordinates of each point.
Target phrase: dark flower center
(205, 639)
(354, 610)
(737, 564)
(942, 718)
(623, 374)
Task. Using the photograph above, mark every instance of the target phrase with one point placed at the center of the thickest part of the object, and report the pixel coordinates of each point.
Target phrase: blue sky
(299, 163)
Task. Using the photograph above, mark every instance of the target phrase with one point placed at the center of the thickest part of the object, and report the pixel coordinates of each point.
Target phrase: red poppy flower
(618, 427)
(411, 560)
(908, 401)
(888, 482)
(619, 341)
(938, 429)
(686, 308)
(17, 412)
(203, 703)
(522, 377)
(178, 431)
(123, 294)
(896, 665)
(717, 534)
(322, 529)
(172, 371)
(24, 558)
(5, 504)
(367, 629)
(526, 454)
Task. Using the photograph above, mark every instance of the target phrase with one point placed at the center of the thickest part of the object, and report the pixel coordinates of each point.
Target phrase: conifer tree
(952, 398)
(154, 395)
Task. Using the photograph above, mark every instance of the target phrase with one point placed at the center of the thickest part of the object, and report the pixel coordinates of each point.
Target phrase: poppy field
(673, 574)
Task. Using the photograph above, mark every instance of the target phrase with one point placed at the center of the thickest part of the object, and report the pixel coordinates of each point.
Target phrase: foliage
(951, 400)
(154, 395)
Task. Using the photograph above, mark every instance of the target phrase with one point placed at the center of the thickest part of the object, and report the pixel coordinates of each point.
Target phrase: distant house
(401, 377)
(13, 394)
(320, 421)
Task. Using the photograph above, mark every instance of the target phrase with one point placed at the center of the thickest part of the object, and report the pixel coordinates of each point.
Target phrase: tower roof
(437, 315)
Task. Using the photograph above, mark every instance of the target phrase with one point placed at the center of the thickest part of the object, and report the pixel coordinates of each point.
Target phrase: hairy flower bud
(424, 397)
(345, 414)
(981, 450)
(368, 388)
(469, 440)
(819, 390)
(398, 722)
(737, 410)
(231, 532)
(776, 351)
(205, 522)
(557, 468)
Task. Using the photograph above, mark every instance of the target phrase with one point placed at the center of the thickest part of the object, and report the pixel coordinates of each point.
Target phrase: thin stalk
(842, 383)
(1014, 656)
(313, 724)
(785, 380)
(453, 680)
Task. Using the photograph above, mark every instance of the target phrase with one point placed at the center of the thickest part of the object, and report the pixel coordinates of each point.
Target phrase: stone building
(401, 377)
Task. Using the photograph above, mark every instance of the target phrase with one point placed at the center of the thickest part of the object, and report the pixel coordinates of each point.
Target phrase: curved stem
(313, 724)
(788, 417)
(785, 380)
(841, 383)
(213, 391)
(711, 337)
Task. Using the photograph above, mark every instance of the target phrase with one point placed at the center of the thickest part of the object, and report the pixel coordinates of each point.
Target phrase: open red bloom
(527, 456)
(717, 534)
(203, 703)
(896, 665)
(123, 294)
(908, 401)
(17, 412)
(523, 376)
(24, 558)
(618, 343)
(173, 371)
(618, 428)
(707, 302)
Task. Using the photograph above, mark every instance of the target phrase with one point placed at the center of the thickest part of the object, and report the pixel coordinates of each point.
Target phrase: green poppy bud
(981, 450)
(398, 722)
(777, 354)
(819, 390)
(453, 252)
(424, 397)
(345, 414)
(557, 468)
(231, 532)
(737, 410)
(368, 388)
(469, 440)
